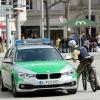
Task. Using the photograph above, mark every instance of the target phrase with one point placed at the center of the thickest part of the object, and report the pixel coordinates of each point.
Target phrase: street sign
(6, 9)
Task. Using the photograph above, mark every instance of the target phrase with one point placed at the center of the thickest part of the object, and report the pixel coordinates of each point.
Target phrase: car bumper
(56, 84)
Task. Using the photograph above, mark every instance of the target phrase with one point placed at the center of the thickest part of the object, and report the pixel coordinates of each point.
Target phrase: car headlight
(25, 75)
(69, 72)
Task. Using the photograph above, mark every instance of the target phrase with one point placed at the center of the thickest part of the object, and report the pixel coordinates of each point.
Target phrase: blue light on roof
(18, 42)
(32, 41)
(46, 40)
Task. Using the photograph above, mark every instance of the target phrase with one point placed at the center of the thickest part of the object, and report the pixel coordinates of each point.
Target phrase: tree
(66, 2)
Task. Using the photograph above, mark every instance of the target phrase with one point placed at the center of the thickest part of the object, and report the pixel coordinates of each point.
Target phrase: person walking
(64, 45)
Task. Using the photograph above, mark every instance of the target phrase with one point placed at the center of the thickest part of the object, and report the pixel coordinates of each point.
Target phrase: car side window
(11, 55)
(7, 53)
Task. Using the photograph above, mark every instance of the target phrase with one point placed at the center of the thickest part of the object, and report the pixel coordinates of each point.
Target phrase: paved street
(81, 94)
(52, 22)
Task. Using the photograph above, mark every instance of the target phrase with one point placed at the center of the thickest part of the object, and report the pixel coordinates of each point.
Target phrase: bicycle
(89, 74)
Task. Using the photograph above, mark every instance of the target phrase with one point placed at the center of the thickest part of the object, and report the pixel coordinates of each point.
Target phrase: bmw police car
(31, 67)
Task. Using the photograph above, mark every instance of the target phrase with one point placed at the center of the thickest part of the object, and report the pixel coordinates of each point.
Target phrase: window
(7, 53)
(3, 2)
(58, 6)
(11, 55)
(29, 3)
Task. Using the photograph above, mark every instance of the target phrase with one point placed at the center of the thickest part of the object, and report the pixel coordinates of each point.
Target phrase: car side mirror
(66, 56)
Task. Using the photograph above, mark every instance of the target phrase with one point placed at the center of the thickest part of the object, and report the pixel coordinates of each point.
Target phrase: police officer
(79, 53)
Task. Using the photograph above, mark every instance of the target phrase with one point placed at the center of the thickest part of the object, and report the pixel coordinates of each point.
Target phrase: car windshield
(38, 54)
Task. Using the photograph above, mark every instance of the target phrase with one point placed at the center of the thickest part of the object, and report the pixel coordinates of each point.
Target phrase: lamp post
(47, 15)
(19, 6)
(89, 16)
(67, 17)
(42, 20)
(47, 19)
(18, 26)
(66, 2)
(8, 30)
(5, 13)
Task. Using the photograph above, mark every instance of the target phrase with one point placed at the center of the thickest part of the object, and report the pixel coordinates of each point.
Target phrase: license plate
(48, 82)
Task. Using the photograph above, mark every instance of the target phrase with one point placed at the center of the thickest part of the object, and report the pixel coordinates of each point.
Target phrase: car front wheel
(15, 93)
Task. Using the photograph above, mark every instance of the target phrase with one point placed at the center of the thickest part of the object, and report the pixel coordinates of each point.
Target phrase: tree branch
(56, 3)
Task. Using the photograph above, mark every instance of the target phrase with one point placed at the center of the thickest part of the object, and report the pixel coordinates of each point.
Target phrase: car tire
(15, 93)
(72, 91)
(2, 86)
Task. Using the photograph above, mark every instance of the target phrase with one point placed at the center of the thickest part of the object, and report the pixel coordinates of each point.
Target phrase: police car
(29, 67)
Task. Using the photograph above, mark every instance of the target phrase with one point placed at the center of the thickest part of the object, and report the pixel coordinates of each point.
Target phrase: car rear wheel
(2, 86)
(15, 93)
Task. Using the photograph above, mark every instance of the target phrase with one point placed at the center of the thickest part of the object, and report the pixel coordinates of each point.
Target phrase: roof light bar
(32, 41)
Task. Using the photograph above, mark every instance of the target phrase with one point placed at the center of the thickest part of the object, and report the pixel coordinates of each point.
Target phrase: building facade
(76, 9)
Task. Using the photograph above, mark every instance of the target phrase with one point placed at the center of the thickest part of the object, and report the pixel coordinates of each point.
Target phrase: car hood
(44, 66)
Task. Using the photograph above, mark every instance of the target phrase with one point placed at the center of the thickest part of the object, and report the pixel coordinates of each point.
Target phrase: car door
(7, 69)
(10, 67)
(3, 67)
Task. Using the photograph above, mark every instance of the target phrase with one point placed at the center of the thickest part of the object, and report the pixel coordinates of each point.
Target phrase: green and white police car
(31, 67)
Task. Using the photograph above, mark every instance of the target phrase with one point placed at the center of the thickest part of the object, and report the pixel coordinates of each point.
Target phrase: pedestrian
(98, 38)
(64, 45)
(57, 42)
(86, 44)
(80, 53)
(82, 39)
(0, 44)
(3, 43)
(93, 44)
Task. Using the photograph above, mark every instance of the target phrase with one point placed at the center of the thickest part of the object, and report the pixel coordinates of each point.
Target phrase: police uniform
(80, 52)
